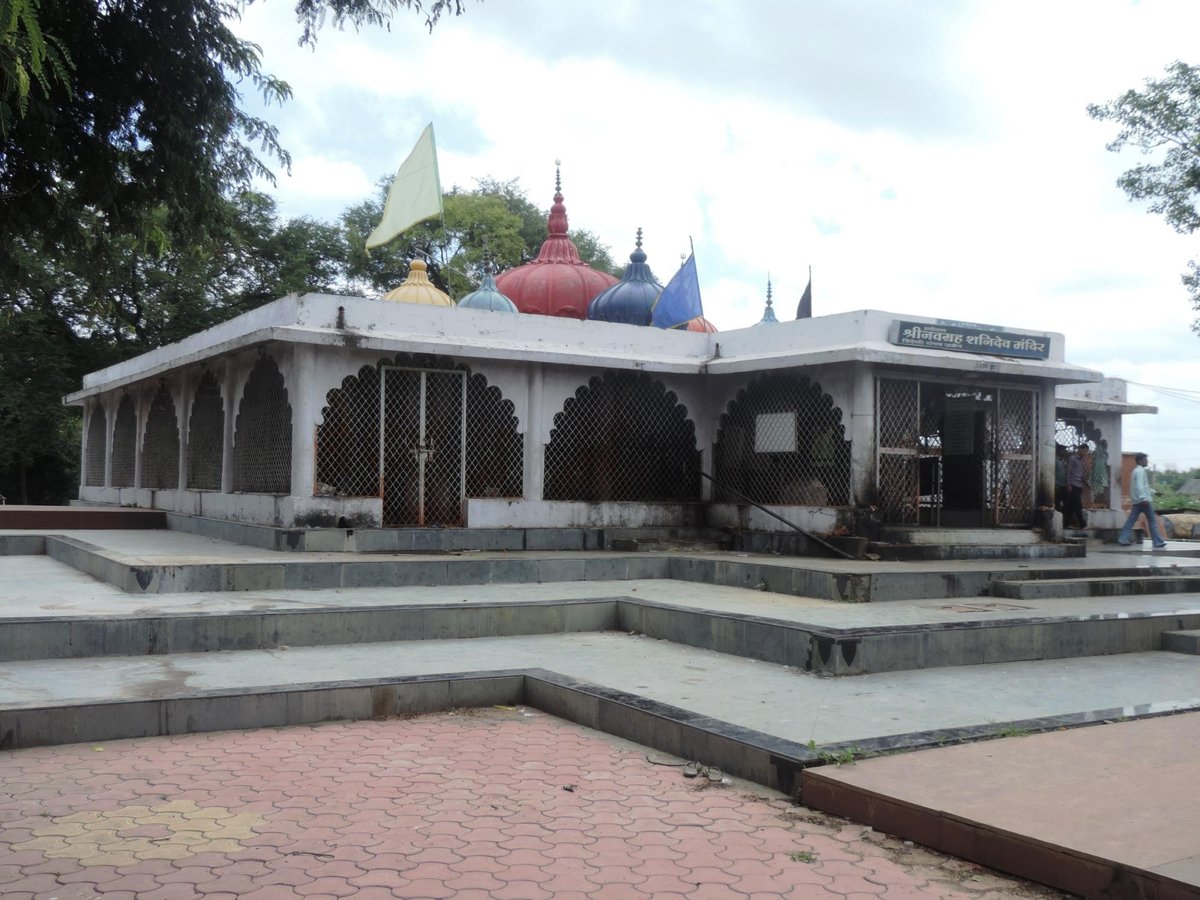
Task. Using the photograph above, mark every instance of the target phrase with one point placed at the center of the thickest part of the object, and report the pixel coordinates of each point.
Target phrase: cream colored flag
(415, 194)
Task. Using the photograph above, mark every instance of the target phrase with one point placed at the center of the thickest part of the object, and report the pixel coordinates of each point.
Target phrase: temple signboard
(963, 338)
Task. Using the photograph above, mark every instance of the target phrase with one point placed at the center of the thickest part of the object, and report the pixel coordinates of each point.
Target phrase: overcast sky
(930, 157)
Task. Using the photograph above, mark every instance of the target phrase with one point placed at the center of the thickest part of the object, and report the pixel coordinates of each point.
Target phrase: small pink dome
(701, 324)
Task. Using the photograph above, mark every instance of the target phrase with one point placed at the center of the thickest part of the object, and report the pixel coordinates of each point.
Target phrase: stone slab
(1081, 810)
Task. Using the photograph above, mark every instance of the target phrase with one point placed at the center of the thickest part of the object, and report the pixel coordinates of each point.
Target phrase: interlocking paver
(463, 804)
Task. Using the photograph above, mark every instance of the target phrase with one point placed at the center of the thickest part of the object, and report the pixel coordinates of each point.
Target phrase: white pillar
(229, 391)
(183, 413)
(1044, 464)
(535, 451)
(110, 417)
(305, 399)
(860, 430)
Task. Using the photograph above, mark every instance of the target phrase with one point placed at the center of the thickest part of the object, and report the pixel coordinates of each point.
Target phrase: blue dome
(631, 299)
(488, 297)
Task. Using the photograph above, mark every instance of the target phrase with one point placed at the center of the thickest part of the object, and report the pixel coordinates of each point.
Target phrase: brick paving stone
(464, 804)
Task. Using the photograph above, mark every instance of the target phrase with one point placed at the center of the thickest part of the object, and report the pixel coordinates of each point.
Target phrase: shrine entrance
(423, 446)
(955, 455)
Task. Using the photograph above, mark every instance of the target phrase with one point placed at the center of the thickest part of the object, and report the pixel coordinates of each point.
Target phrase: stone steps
(932, 534)
(888, 552)
(1182, 642)
(1085, 586)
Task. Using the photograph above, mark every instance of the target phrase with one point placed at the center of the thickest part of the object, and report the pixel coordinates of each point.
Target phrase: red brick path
(473, 804)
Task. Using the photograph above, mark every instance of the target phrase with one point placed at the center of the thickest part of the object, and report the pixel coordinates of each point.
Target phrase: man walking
(1076, 478)
(1143, 503)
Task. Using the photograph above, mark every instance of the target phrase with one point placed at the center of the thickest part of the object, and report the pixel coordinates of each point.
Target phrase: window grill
(782, 442)
(495, 449)
(423, 446)
(622, 436)
(124, 452)
(1078, 431)
(897, 423)
(206, 436)
(160, 444)
(348, 438)
(262, 449)
(97, 437)
(955, 450)
(1014, 483)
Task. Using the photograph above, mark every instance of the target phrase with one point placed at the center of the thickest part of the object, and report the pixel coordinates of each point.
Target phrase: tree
(80, 306)
(492, 225)
(125, 221)
(1163, 120)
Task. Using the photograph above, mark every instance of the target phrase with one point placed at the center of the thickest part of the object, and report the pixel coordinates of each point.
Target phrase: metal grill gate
(422, 445)
(948, 447)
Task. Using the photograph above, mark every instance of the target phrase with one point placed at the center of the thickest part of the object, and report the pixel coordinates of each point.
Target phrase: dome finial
(639, 238)
(558, 176)
(768, 314)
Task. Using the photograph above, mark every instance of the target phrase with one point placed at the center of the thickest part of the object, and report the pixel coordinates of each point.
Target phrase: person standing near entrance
(1143, 504)
(1076, 478)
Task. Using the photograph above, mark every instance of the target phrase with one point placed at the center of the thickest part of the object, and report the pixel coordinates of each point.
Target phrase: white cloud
(933, 159)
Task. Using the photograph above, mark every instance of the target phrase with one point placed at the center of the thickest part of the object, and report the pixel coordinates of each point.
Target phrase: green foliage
(492, 225)
(1166, 485)
(125, 162)
(1163, 121)
(28, 57)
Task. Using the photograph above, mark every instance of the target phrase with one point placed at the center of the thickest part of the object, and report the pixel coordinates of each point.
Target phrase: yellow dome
(417, 288)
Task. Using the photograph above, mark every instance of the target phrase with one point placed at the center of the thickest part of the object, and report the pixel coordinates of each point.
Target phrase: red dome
(700, 324)
(558, 282)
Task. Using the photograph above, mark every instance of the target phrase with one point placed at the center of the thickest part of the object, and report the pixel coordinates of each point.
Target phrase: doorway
(422, 446)
(955, 455)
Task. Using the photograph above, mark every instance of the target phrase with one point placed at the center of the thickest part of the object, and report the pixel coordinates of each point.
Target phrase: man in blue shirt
(1143, 503)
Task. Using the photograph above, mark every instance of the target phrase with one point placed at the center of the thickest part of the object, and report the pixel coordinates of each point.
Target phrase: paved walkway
(501, 803)
(1121, 793)
(37, 586)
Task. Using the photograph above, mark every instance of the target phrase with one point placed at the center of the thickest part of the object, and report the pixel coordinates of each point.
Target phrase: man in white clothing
(1143, 503)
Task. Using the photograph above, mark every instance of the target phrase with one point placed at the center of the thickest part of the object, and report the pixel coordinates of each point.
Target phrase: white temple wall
(486, 513)
(537, 364)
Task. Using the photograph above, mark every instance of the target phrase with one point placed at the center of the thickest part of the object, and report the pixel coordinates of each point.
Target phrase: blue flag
(679, 301)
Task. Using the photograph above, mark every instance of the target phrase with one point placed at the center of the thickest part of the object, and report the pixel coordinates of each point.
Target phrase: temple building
(319, 411)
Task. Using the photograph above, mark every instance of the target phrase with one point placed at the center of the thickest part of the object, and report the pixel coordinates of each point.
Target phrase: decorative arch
(1075, 431)
(262, 448)
(97, 439)
(124, 452)
(622, 436)
(206, 436)
(160, 444)
(348, 438)
(782, 442)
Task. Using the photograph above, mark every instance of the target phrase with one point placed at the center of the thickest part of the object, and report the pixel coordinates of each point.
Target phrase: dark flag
(804, 310)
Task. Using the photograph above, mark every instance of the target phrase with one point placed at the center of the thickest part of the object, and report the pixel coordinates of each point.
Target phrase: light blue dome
(631, 300)
(488, 297)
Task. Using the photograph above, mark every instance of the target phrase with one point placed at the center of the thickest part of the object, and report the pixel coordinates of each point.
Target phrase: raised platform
(1072, 809)
(715, 656)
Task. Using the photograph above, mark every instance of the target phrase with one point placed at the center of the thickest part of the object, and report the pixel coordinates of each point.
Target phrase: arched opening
(124, 453)
(782, 442)
(622, 436)
(206, 436)
(428, 467)
(160, 444)
(262, 447)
